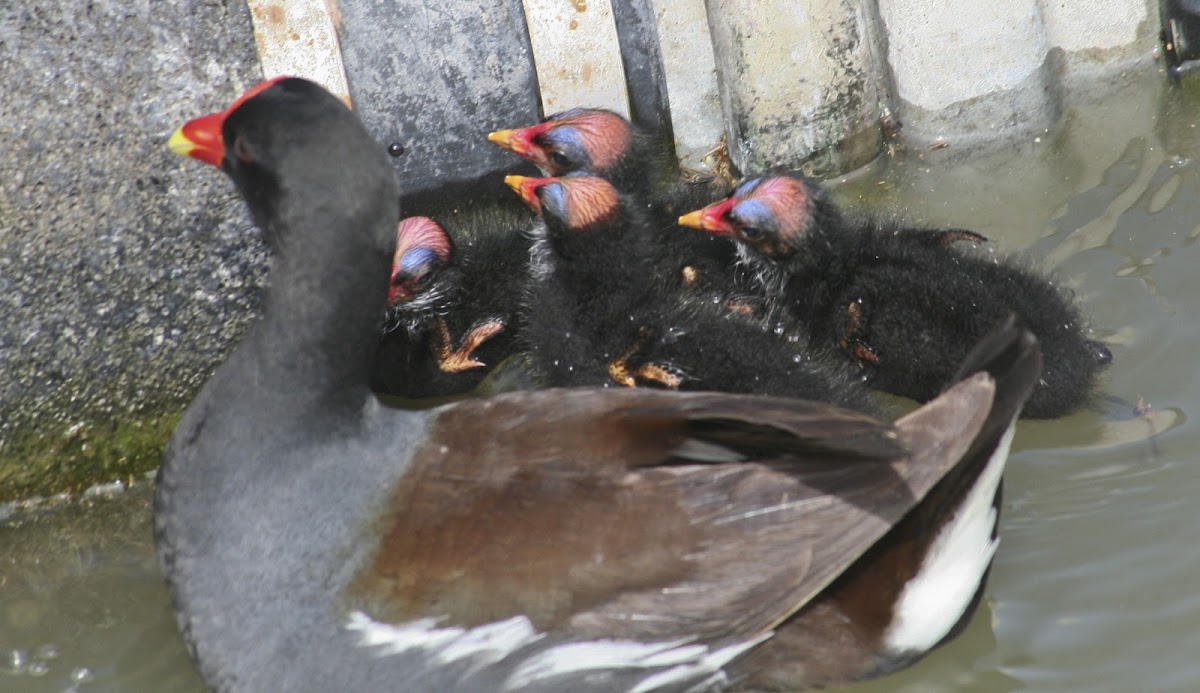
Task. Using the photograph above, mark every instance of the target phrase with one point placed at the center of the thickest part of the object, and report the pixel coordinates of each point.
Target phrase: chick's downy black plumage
(901, 302)
(594, 314)
(643, 168)
(452, 305)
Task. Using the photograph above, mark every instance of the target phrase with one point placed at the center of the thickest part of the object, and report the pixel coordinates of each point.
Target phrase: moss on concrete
(72, 458)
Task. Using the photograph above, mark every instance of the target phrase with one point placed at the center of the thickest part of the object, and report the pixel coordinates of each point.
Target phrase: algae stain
(73, 458)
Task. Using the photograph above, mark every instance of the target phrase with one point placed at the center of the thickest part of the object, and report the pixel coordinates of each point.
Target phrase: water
(1095, 583)
(82, 604)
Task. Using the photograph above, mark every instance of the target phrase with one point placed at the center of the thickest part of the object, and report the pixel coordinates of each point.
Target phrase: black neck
(324, 309)
(614, 254)
(647, 170)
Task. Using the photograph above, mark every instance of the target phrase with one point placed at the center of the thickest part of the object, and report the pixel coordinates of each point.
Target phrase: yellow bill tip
(501, 137)
(693, 220)
(515, 182)
(180, 144)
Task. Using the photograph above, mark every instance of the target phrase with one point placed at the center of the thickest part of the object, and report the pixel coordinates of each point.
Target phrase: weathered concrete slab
(1099, 25)
(436, 78)
(298, 38)
(125, 271)
(691, 78)
(964, 81)
(977, 72)
(577, 55)
(796, 78)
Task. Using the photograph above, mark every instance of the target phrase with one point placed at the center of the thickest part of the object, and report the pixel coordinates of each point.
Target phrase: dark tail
(1010, 354)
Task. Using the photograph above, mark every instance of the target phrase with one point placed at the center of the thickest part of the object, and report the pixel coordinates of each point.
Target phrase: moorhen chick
(315, 539)
(644, 169)
(596, 315)
(903, 303)
(451, 309)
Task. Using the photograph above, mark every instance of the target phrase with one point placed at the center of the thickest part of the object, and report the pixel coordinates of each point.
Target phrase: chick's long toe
(456, 360)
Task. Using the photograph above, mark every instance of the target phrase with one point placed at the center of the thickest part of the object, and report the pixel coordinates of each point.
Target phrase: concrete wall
(796, 78)
(126, 273)
(973, 72)
(804, 82)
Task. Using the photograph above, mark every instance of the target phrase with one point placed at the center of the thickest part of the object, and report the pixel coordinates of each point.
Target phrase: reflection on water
(82, 605)
(1094, 586)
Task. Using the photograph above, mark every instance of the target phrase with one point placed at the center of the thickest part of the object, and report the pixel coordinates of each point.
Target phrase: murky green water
(1096, 585)
(82, 604)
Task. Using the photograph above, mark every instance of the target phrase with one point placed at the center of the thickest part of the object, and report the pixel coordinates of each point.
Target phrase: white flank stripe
(491, 642)
(686, 661)
(487, 643)
(709, 664)
(673, 662)
(586, 656)
(934, 599)
(704, 451)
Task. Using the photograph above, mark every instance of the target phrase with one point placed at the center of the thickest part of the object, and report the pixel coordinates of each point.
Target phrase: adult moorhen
(902, 302)
(589, 540)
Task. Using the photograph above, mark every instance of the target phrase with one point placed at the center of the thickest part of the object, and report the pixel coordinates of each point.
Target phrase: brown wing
(600, 513)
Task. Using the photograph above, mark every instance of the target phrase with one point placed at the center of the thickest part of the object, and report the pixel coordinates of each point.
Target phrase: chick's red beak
(398, 290)
(201, 138)
(519, 142)
(527, 188)
(713, 218)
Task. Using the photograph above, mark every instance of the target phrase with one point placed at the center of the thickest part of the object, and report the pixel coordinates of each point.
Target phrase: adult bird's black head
(256, 138)
(280, 141)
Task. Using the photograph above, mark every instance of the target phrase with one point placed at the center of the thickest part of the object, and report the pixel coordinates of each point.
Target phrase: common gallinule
(596, 315)
(588, 540)
(902, 302)
(644, 169)
(451, 314)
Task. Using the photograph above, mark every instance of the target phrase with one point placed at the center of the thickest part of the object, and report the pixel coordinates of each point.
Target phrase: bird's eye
(242, 152)
(559, 159)
(750, 232)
